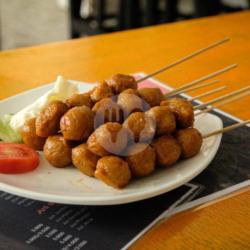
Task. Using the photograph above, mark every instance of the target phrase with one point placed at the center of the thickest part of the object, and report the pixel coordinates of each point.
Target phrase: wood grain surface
(224, 225)
(221, 225)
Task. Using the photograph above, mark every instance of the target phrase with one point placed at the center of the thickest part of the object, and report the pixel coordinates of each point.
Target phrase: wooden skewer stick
(226, 129)
(201, 79)
(213, 45)
(221, 98)
(233, 99)
(201, 86)
(208, 93)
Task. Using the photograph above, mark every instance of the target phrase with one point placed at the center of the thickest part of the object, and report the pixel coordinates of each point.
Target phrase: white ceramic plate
(69, 186)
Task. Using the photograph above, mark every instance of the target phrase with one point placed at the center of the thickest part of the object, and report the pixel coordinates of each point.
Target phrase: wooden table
(223, 225)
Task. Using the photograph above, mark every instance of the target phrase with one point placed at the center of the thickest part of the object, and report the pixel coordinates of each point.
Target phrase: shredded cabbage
(7, 133)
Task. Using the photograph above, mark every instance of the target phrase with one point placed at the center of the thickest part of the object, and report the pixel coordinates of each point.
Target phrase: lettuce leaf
(7, 133)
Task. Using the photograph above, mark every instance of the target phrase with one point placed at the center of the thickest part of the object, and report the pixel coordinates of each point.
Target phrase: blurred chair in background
(89, 17)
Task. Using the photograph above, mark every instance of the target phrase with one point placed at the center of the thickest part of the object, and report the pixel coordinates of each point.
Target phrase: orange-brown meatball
(102, 90)
(79, 100)
(107, 110)
(182, 109)
(131, 91)
(167, 150)
(152, 96)
(84, 159)
(110, 138)
(29, 136)
(129, 103)
(164, 119)
(113, 171)
(140, 126)
(48, 121)
(141, 159)
(77, 123)
(120, 82)
(57, 151)
(190, 140)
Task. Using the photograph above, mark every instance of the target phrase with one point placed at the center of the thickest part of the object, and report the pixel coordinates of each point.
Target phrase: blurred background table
(94, 58)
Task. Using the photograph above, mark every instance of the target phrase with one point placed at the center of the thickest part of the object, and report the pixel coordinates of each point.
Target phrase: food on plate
(182, 109)
(7, 133)
(140, 126)
(29, 136)
(110, 138)
(48, 120)
(102, 90)
(152, 96)
(93, 130)
(164, 119)
(61, 92)
(190, 140)
(84, 159)
(107, 110)
(129, 103)
(113, 171)
(79, 100)
(77, 124)
(17, 158)
(167, 149)
(141, 159)
(57, 151)
(120, 82)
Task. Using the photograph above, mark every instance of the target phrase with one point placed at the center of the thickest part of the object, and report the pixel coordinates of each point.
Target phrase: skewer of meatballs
(115, 132)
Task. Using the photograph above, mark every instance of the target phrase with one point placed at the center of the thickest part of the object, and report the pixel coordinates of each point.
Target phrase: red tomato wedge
(17, 158)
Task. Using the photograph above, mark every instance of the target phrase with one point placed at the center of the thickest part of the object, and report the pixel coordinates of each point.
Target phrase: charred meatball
(113, 171)
(120, 82)
(102, 90)
(110, 138)
(164, 119)
(190, 140)
(84, 159)
(79, 100)
(48, 121)
(182, 109)
(57, 151)
(141, 159)
(77, 123)
(107, 110)
(167, 150)
(140, 126)
(29, 136)
(129, 103)
(152, 96)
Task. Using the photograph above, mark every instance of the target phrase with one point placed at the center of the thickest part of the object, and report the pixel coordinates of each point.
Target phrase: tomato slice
(17, 158)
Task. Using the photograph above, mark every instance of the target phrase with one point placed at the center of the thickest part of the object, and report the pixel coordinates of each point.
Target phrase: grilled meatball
(167, 150)
(106, 110)
(102, 90)
(120, 82)
(48, 121)
(131, 91)
(182, 109)
(77, 123)
(113, 171)
(110, 138)
(140, 126)
(152, 96)
(164, 119)
(29, 136)
(129, 103)
(57, 151)
(190, 140)
(79, 100)
(141, 159)
(84, 159)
